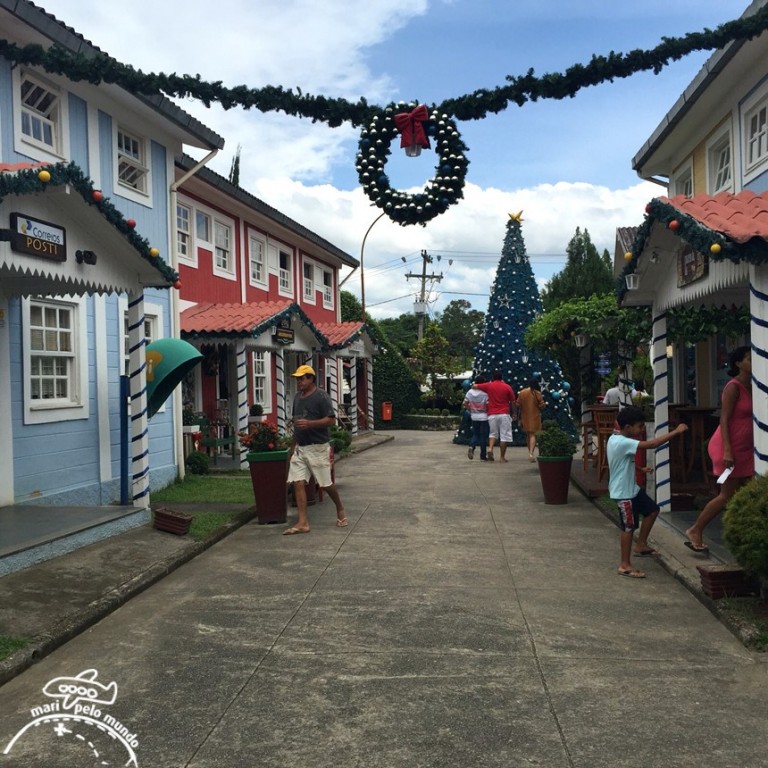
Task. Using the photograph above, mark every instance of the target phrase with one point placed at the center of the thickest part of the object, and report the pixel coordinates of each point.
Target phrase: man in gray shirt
(313, 416)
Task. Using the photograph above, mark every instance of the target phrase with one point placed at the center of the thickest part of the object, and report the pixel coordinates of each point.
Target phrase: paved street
(458, 622)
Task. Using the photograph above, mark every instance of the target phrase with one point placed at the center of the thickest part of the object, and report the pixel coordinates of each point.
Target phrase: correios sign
(38, 238)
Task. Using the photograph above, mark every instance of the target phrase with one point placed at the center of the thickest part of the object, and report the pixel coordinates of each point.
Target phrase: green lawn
(226, 489)
(9, 645)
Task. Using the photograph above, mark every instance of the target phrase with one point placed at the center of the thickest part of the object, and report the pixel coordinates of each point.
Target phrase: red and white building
(259, 297)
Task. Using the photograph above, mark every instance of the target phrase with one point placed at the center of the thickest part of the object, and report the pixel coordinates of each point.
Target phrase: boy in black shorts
(631, 499)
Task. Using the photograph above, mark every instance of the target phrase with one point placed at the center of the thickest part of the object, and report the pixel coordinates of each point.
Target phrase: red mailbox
(386, 411)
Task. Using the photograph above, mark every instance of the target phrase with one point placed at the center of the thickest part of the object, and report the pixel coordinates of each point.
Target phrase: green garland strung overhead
(442, 191)
(335, 111)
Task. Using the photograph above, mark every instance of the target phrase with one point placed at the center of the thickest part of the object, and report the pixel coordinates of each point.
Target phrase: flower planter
(726, 580)
(168, 520)
(269, 476)
(555, 473)
(189, 429)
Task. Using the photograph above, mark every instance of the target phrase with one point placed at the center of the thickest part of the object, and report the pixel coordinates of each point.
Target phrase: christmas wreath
(440, 192)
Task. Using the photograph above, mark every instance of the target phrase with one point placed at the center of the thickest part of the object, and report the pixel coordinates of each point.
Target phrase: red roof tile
(338, 333)
(230, 318)
(12, 167)
(739, 217)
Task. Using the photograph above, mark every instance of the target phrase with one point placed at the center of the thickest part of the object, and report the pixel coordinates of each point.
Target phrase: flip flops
(700, 548)
(647, 552)
(631, 573)
(343, 523)
(294, 530)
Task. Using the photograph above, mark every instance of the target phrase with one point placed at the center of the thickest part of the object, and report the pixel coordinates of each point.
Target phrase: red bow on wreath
(411, 127)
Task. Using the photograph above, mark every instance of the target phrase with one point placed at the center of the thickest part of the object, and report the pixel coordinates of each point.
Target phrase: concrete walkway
(457, 622)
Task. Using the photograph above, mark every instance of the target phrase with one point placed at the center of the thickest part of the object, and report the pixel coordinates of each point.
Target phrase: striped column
(758, 310)
(241, 357)
(280, 388)
(369, 385)
(587, 449)
(661, 409)
(137, 372)
(332, 364)
(353, 394)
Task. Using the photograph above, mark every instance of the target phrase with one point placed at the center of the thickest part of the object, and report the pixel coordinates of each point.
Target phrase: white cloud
(470, 233)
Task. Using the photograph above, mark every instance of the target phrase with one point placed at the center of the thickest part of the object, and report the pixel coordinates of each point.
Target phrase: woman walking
(530, 402)
(732, 445)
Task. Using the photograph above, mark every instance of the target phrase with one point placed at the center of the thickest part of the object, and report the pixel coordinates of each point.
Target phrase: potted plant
(255, 413)
(556, 448)
(190, 421)
(267, 459)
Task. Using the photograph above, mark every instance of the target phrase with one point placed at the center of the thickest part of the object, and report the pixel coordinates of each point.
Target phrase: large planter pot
(168, 520)
(269, 475)
(555, 473)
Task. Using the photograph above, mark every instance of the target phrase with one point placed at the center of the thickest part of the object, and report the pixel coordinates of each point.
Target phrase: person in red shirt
(501, 404)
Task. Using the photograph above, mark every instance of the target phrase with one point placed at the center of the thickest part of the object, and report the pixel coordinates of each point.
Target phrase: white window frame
(255, 239)
(756, 104)
(206, 238)
(284, 274)
(190, 257)
(327, 288)
(261, 369)
(27, 145)
(223, 244)
(308, 282)
(718, 143)
(77, 405)
(139, 163)
(682, 180)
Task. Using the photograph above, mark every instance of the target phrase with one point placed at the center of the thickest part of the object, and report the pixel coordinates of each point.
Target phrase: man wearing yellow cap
(313, 416)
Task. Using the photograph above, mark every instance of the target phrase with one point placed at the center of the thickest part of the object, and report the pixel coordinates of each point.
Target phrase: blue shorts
(631, 509)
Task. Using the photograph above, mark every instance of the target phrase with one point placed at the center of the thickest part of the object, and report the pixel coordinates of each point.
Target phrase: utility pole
(420, 306)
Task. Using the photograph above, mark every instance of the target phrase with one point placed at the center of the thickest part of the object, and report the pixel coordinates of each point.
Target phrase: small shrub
(198, 463)
(188, 417)
(256, 410)
(554, 441)
(745, 526)
(445, 412)
(422, 411)
(340, 439)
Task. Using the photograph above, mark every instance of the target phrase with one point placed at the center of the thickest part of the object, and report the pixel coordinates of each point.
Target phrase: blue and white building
(87, 201)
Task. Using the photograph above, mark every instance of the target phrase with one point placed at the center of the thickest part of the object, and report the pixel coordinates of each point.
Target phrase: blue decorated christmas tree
(514, 304)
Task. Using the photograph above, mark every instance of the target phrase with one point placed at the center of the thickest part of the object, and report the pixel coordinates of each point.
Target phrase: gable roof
(340, 335)
(698, 99)
(60, 34)
(205, 174)
(725, 226)
(112, 235)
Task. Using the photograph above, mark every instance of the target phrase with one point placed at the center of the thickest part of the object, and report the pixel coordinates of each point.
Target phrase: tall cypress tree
(514, 304)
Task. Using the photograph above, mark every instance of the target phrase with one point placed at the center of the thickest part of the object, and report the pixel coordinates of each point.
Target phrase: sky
(565, 164)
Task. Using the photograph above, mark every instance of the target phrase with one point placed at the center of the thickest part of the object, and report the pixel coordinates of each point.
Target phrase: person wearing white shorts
(501, 402)
(313, 416)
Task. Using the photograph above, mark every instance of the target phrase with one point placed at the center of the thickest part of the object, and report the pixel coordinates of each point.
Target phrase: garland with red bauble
(415, 128)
